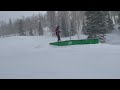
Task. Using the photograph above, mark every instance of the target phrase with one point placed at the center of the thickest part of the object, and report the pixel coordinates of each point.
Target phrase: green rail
(76, 42)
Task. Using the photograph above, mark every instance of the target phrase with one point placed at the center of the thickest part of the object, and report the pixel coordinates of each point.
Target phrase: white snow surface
(31, 57)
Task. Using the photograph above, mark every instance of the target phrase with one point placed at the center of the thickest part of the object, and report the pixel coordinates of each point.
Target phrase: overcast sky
(5, 15)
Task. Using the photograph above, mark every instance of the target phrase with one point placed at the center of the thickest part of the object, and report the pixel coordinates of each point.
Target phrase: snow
(114, 37)
(31, 57)
(47, 31)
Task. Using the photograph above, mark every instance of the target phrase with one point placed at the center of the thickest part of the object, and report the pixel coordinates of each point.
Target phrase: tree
(73, 23)
(79, 18)
(96, 24)
(110, 24)
(3, 28)
(21, 31)
(16, 26)
(72, 28)
(31, 32)
(51, 18)
(84, 30)
(119, 17)
(65, 24)
(10, 26)
(40, 29)
(114, 15)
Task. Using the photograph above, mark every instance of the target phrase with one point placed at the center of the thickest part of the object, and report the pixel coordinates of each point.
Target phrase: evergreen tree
(31, 32)
(21, 31)
(72, 28)
(64, 28)
(51, 18)
(64, 24)
(109, 22)
(84, 30)
(110, 26)
(40, 29)
(9, 27)
(73, 23)
(96, 24)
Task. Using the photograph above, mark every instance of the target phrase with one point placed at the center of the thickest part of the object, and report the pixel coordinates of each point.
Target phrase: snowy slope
(32, 57)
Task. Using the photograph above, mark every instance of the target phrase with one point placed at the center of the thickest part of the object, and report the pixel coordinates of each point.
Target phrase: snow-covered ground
(31, 57)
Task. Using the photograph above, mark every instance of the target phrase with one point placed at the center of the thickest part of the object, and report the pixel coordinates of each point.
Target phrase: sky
(5, 15)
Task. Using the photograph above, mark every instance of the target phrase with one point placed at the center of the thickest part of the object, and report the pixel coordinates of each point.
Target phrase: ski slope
(31, 57)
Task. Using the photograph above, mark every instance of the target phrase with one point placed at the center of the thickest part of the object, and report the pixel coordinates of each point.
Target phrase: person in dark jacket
(58, 33)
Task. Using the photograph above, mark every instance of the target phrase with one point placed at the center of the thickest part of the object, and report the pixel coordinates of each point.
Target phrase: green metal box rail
(75, 42)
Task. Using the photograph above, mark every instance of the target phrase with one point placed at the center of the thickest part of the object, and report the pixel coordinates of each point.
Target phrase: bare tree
(51, 18)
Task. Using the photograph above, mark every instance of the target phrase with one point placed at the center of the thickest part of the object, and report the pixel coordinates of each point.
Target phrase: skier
(58, 33)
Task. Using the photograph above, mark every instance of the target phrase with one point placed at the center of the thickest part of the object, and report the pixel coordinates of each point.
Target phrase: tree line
(69, 22)
(95, 24)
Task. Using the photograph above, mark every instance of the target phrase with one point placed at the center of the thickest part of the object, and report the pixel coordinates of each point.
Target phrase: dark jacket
(57, 31)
